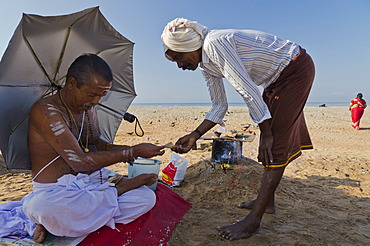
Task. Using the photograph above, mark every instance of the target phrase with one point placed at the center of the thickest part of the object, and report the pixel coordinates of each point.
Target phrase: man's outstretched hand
(147, 150)
(185, 143)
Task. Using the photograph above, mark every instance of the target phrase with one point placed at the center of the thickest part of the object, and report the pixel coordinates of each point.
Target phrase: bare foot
(39, 234)
(239, 230)
(270, 209)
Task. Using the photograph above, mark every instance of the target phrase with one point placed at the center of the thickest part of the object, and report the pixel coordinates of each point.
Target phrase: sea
(238, 104)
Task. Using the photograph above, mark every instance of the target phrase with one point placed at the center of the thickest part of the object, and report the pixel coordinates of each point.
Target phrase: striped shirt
(247, 59)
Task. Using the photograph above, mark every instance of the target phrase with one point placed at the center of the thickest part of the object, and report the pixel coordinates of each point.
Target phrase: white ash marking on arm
(73, 157)
(57, 128)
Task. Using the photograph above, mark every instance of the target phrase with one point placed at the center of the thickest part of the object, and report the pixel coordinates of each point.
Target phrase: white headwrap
(183, 35)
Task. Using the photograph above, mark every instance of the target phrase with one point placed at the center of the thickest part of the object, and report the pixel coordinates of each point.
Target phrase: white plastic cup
(142, 165)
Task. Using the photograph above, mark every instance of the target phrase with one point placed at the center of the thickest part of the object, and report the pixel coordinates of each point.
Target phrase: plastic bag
(174, 172)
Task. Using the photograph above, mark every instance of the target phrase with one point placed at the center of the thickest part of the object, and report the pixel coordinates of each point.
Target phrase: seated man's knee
(149, 199)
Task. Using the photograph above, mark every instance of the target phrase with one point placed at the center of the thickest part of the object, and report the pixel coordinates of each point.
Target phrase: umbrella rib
(47, 92)
(65, 45)
(19, 123)
(29, 85)
(38, 60)
(62, 52)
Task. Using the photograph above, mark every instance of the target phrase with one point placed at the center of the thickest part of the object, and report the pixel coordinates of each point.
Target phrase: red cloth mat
(153, 228)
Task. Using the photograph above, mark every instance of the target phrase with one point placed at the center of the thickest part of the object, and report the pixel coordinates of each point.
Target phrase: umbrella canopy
(36, 62)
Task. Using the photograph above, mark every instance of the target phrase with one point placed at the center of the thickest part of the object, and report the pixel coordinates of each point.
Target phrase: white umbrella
(36, 63)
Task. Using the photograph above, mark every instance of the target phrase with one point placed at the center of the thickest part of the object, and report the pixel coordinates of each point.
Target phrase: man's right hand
(185, 143)
(147, 150)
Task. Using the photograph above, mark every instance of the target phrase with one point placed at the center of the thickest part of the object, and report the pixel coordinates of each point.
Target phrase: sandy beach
(323, 198)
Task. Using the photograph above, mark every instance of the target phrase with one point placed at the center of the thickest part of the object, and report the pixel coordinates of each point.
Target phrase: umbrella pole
(128, 117)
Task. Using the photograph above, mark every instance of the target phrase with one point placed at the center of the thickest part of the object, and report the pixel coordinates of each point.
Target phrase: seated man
(72, 195)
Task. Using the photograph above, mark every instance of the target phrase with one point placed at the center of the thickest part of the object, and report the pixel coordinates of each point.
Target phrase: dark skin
(50, 130)
(271, 177)
(185, 60)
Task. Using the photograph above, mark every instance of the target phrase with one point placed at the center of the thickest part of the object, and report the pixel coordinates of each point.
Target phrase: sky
(336, 33)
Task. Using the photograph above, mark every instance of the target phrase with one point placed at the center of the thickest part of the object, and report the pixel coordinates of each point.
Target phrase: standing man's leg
(270, 207)
(251, 223)
(286, 99)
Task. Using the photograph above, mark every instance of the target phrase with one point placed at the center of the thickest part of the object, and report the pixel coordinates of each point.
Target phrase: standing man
(247, 59)
(73, 194)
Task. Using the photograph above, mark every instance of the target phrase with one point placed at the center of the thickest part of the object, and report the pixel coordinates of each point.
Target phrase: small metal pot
(226, 151)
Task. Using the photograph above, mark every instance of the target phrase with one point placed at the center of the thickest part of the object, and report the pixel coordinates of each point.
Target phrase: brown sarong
(286, 98)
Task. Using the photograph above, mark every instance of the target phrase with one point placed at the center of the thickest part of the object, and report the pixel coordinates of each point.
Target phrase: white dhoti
(78, 205)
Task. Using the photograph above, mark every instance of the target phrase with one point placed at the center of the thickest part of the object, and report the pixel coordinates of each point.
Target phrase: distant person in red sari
(357, 108)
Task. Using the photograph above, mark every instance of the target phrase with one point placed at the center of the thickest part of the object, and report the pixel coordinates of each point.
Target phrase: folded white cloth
(78, 205)
(183, 35)
(13, 221)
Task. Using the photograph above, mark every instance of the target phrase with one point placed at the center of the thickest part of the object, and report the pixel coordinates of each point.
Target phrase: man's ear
(71, 83)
